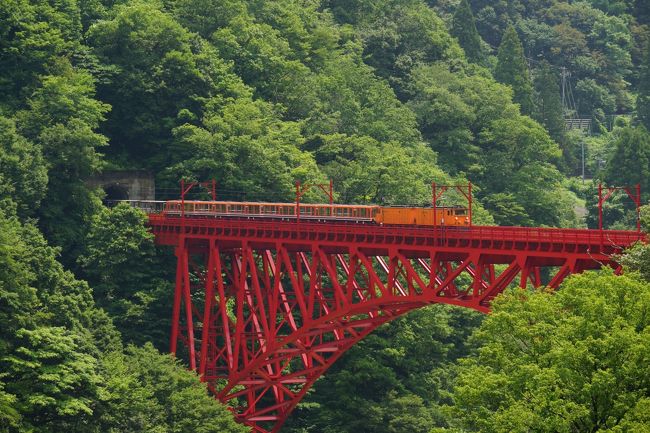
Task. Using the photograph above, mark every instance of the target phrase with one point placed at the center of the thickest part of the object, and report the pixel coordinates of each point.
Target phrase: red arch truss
(263, 308)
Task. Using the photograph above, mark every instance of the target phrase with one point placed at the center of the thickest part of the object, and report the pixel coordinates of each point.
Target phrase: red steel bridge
(263, 308)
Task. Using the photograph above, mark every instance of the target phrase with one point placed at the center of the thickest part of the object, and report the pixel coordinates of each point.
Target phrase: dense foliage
(62, 363)
(381, 96)
(573, 361)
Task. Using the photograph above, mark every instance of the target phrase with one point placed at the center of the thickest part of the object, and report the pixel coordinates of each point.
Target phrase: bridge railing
(614, 238)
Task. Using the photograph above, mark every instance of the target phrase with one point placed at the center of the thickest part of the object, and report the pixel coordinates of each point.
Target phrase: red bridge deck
(269, 306)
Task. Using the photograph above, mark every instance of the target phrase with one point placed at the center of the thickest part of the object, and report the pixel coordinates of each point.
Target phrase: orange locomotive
(442, 216)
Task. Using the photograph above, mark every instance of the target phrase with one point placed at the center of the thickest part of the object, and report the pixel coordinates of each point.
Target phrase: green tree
(55, 384)
(119, 260)
(403, 36)
(549, 111)
(23, 172)
(591, 39)
(642, 11)
(161, 76)
(246, 148)
(265, 60)
(637, 258)
(643, 99)
(9, 416)
(352, 100)
(471, 122)
(18, 299)
(128, 404)
(363, 169)
(215, 14)
(49, 378)
(516, 150)
(575, 360)
(452, 108)
(463, 28)
(33, 36)
(629, 162)
(511, 69)
(63, 118)
(184, 400)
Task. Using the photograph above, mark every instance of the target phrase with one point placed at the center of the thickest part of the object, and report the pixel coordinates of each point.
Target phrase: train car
(442, 216)
(282, 211)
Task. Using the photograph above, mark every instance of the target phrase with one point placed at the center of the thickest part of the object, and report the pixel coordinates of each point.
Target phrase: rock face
(125, 185)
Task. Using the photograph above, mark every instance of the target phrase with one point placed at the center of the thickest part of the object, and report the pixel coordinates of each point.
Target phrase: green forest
(383, 97)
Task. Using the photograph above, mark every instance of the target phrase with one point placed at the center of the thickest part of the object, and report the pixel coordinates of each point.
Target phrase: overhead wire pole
(301, 189)
(582, 145)
(437, 192)
(636, 199)
(182, 289)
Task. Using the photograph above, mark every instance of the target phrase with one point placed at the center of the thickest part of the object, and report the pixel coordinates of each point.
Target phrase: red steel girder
(277, 303)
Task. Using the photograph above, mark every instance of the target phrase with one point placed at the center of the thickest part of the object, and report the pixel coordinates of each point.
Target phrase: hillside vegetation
(381, 96)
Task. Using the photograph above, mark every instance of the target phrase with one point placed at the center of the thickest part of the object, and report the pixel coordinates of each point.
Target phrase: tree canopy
(511, 70)
(576, 360)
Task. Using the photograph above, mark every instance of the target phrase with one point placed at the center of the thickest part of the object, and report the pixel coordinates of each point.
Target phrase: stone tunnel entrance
(116, 192)
(125, 185)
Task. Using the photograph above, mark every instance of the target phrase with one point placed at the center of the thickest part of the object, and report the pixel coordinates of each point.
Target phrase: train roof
(338, 205)
(258, 203)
